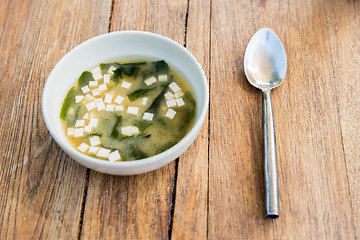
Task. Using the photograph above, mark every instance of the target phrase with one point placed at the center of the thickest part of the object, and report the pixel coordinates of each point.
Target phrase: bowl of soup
(126, 102)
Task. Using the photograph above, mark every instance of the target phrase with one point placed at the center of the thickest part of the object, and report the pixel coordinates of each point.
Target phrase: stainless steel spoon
(265, 68)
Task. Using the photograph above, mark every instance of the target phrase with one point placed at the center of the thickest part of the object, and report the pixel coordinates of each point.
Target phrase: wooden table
(215, 190)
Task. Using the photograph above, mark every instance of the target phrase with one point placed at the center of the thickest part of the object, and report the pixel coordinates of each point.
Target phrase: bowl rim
(135, 163)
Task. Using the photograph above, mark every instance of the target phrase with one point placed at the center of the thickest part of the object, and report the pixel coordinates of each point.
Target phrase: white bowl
(117, 45)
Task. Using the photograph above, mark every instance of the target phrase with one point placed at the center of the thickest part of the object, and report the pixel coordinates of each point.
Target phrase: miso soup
(128, 110)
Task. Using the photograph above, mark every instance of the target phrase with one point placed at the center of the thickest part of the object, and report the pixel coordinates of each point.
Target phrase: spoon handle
(271, 179)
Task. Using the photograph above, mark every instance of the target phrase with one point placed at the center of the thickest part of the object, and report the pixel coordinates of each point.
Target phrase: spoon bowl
(265, 68)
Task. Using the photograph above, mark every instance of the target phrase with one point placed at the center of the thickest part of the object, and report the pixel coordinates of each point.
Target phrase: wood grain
(190, 214)
(42, 189)
(137, 207)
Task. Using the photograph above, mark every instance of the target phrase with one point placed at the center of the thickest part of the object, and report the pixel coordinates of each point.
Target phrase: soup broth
(128, 110)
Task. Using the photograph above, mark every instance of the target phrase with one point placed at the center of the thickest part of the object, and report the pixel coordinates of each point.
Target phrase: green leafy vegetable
(137, 153)
(106, 66)
(142, 124)
(138, 93)
(130, 68)
(115, 132)
(161, 66)
(155, 106)
(85, 78)
(70, 98)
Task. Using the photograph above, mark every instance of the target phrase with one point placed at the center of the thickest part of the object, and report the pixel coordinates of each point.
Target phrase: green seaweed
(115, 132)
(142, 124)
(131, 68)
(106, 66)
(85, 78)
(160, 66)
(155, 106)
(70, 98)
(139, 93)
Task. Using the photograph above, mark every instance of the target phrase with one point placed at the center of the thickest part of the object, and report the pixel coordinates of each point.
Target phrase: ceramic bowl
(118, 45)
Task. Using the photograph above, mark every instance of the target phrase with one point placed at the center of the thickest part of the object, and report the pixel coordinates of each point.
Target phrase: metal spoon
(265, 68)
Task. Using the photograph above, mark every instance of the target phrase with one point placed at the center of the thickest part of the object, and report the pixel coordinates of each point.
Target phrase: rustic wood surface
(215, 189)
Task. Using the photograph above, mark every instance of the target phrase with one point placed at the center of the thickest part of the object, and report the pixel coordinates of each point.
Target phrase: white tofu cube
(169, 96)
(71, 111)
(103, 153)
(106, 78)
(94, 140)
(90, 106)
(110, 107)
(95, 70)
(125, 84)
(94, 150)
(80, 123)
(170, 113)
(148, 116)
(93, 84)
(180, 102)
(100, 106)
(171, 103)
(150, 81)
(178, 94)
(98, 100)
(133, 110)
(163, 78)
(126, 131)
(79, 98)
(119, 108)
(144, 100)
(118, 99)
(87, 129)
(93, 122)
(83, 147)
(114, 156)
(96, 92)
(111, 70)
(78, 132)
(174, 87)
(108, 98)
(102, 87)
(134, 130)
(85, 89)
(86, 116)
(70, 131)
(88, 97)
(97, 76)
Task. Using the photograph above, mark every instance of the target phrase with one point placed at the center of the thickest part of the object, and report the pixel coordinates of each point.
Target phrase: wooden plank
(314, 194)
(136, 207)
(190, 213)
(343, 21)
(42, 189)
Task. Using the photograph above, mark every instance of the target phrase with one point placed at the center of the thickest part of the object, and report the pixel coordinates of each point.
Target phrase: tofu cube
(93, 122)
(110, 107)
(71, 111)
(134, 130)
(180, 102)
(170, 113)
(144, 100)
(86, 116)
(80, 123)
(103, 152)
(108, 98)
(178, 94)
(150, 81)
(83, 147)
(70, 131)
(125, 84)
(95, 70)
(93, 84)
(100, 106)
(162, 78)
(79, 98)
(174, 87)
(96, 92)
(119, 108)
(169, 96)
(85, 89)
(97, 76)
(111, 70)
(133, 110)
(106, 78)
(118, 99)
(98, 100)
(94, 150)
(88, 97)
(90, 106)
(126, 131)
(78, 132)
(102, 87)
(87, 129)
(148, 116)
(171, 103)
(114, 156)
(94, 140)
